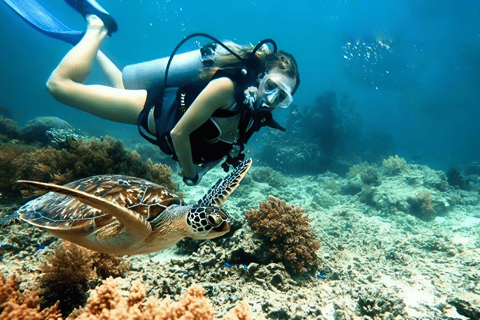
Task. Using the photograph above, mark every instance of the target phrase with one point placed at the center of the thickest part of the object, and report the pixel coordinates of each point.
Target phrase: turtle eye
(214, 220)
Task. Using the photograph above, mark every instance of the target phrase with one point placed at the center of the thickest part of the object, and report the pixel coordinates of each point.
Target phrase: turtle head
(207, 222)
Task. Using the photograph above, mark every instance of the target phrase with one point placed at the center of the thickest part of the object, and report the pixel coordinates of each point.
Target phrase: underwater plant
(288, 233)
(78, 159)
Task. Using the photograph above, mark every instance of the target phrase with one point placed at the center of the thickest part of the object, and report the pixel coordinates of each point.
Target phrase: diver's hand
(189, 181)
(200, 171)
(192, 181)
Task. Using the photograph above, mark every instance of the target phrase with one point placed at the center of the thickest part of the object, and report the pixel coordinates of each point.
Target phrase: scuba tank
(148, 75)
(180, 69)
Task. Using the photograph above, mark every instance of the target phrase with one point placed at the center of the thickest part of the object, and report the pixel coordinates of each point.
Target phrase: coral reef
(61, 137)
(288, 233)
(107, 303)
(454, 178)
(9, 128)
(378, 260)
(268, 175)
(320, 137)
(16, 305)
(36, 130)
(380, 303)
(79, 159)
(67, 274)
(398, 186)
(394, 165)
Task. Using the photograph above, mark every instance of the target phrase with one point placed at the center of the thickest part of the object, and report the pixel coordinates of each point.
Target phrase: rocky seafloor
(397, 242)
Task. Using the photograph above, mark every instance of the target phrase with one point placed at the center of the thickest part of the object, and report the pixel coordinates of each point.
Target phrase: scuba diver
(201, 107)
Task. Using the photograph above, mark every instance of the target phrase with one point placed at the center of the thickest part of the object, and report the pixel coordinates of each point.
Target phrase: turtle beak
(222, 229)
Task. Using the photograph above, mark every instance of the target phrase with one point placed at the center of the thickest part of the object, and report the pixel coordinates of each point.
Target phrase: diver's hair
(286, 63)
(281, 60)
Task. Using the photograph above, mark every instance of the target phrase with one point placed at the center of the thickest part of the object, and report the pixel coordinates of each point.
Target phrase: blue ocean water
(412, 68)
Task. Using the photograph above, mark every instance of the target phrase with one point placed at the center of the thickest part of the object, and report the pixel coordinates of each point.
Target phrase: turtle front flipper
(224, 187)
(131, 220)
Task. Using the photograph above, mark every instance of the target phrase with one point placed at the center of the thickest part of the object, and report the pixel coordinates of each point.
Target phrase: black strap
(142, 124)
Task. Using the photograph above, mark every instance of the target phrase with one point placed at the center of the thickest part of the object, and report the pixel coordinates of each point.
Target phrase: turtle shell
(56, 211)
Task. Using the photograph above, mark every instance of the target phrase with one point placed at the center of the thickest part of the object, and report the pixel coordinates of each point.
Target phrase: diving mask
(276, 93)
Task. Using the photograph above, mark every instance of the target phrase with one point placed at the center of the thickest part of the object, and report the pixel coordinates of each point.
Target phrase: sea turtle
(125, 215)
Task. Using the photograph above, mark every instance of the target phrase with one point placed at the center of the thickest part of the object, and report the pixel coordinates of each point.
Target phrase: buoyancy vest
(170, 107)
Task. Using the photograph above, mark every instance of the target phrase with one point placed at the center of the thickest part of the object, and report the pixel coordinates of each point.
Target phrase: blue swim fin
(42, 20)
(85, 7)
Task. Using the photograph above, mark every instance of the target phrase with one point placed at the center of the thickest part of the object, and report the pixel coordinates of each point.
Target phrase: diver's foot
(91, 7)
(95, 23)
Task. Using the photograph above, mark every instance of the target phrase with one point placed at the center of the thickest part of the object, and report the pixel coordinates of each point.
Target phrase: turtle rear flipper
(224, 187)
(130, 220)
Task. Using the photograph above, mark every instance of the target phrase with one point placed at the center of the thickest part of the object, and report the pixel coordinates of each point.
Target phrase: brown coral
(78, 160)
(107, 303)
(67, 273)
(15, 305)
(288, 233)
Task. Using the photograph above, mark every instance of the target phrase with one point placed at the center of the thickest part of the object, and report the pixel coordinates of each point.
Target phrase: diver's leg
(109, 103)
(113, 74)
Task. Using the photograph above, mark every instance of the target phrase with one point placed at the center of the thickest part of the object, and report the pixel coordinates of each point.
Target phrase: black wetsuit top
(170, 108)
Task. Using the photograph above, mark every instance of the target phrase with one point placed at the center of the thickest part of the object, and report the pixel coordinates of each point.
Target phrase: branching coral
(107, 303)
(288, 232)
(15, 305)
(67, 272)
(78, 160)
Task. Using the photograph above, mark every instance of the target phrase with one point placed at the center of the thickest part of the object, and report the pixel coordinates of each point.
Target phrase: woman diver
(200, 106)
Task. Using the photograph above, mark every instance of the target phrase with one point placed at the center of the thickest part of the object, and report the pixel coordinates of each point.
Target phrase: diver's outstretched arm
(65, 83)
(113, 74)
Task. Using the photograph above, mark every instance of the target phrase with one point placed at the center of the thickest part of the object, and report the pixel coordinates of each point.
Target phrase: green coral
(356, 169)
(394, 165)
(369, 176)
